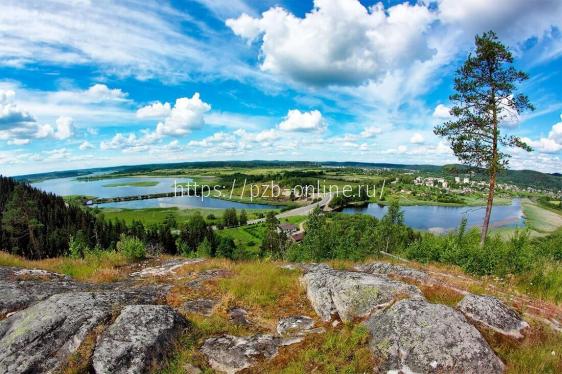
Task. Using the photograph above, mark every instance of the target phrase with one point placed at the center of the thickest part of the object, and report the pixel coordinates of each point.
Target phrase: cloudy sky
(87, 83)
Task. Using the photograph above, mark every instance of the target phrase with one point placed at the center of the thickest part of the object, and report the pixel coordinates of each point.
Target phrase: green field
(151, 216)
(133, 184)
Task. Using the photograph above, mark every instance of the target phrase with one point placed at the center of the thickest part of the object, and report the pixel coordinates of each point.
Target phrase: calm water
(72, 186)
(441, 218)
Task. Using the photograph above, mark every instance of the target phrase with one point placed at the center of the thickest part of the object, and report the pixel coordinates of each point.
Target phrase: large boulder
(231, 354)
(42, 337)
(493, 314)
(352, 295)
(400, 271)
(20, 288)
(416, 336)
(139, 339)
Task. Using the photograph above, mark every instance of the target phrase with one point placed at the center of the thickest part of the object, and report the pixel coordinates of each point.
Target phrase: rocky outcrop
(352, 295)
(231, 354)
(416, 336)
(20, 288)
(167, 268)
(384, 268)
(139, 339)
(493, 314)
(200, 306)
(297, 326)
(306, 267)
(207, 275)
(238, 316)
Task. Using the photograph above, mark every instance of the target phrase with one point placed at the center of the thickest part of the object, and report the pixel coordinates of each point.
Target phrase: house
(458, 180)
(287, 228)
(297, 236)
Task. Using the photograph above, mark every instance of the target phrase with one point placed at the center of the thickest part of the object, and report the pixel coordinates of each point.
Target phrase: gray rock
(138, 340)
(416, 336)
(20, 288)
(493, 314)
(239, 316)
(297, 326)
(352, 295)
(167, 268)
(230, 354)
(207, 275)
(200, 306)
(384, 268)
(40, 338)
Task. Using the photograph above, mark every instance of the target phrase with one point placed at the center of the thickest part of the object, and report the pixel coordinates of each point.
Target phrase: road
(300, 211)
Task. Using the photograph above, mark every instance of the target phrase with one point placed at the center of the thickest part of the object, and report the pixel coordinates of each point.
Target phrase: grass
(540, 219)
(540, 352)
(345, 350)
(100, 267)
(133, 184)
(150, 216)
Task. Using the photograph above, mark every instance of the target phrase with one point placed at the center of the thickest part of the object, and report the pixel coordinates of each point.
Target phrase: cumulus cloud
(417, 138)
(63, 129)
(442, 112)
(85, 145)
(371, 132)
(303, 121)
(186, 115)
(154, 110)
(131, 142)
(550, 144)
(10, 114)
(18, 141)
(339, 41)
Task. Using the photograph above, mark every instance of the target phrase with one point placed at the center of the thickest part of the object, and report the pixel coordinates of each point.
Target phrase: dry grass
(438, 294)
(98, 268)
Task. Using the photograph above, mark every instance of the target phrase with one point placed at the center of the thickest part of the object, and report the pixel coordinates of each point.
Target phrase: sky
(92, 83)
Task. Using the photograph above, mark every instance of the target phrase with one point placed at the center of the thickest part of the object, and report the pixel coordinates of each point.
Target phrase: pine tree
(485, 98)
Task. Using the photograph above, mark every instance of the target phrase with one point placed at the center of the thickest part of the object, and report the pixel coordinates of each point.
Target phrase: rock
(167, 268)
(42, 337)
(239, 316)
(207, 275)
(306, 267)
(230, 354)
(383, 268)
(352, 295)
(20, 288)
(493, 314)
(200, 306)
(138, 340)
(416, 336)
(297, 326)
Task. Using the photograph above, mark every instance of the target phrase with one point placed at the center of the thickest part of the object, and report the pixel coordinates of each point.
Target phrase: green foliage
(131, 247)
(230, 218)
(77, 245)
(204, 249)
(243, 218)
(274, 241)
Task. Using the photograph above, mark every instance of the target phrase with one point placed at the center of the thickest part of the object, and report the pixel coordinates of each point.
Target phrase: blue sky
(100, 83)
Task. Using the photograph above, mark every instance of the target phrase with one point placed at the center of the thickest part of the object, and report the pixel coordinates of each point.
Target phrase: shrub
(131, 247)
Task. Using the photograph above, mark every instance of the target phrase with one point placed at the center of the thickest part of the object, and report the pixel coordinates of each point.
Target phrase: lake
(444, 218)
(99, 188)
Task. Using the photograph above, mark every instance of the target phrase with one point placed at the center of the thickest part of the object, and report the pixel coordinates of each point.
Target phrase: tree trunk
(489, 205)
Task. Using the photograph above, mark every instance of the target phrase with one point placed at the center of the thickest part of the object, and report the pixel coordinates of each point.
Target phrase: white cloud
(10, 114)
(551, 144)
(18, 141)
(303, 121)
(417, 138)
(65, 128)
(442, 112)
(339, 41)
(130, 143)
(154, 110)
(371, 132)
(86, 145)
(186, 115)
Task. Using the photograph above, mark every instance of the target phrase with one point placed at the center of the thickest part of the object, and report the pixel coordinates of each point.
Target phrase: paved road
(300, 211)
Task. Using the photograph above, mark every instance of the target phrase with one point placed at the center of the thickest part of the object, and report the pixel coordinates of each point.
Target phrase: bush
(131, 247)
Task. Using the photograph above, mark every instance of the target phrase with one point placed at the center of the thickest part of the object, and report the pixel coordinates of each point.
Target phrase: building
(297, 236)
(287, 228)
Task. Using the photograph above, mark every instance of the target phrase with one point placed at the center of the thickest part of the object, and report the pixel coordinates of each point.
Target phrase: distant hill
(522, 178)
